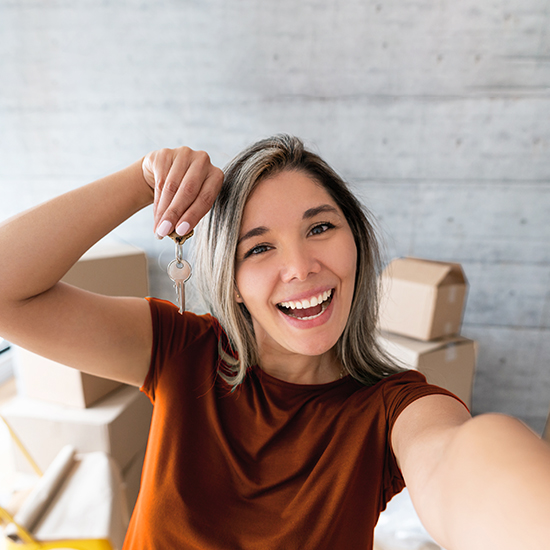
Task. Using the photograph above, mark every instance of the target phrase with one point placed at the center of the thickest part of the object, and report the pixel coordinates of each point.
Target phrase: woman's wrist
(142, 193)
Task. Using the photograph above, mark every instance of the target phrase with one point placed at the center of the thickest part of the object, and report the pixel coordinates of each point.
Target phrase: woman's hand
(185, 184)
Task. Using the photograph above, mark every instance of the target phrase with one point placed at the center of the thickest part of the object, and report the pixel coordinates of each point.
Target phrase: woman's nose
(298, 263)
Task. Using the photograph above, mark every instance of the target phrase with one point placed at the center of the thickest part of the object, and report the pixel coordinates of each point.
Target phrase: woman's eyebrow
(308, 214)
(312, 212)
(256, 232)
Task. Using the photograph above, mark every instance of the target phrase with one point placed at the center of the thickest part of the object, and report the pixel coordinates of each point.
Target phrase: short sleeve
(173, 333)
(400, 390)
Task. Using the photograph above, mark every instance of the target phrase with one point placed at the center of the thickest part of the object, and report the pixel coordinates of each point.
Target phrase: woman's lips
(309, 317)
(308, 301)
(307, 313)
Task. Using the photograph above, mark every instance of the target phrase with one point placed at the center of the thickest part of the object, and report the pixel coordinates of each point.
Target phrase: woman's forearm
(40, 245)
(494, 487)
(102, 335)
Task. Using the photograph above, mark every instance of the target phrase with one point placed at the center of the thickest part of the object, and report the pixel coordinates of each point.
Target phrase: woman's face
(295, 265)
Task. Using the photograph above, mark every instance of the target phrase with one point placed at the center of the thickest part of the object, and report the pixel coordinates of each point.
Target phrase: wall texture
(437, 112)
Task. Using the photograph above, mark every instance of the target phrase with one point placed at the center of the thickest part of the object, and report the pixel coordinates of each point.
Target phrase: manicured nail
(164, 228)
(183, 228)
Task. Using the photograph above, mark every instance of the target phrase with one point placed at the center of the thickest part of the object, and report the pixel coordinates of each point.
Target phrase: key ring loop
(179, 253)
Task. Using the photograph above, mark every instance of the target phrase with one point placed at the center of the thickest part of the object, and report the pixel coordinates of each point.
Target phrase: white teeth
(304, 304)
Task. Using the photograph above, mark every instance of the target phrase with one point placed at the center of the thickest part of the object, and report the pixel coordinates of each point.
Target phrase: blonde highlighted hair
(216, 245)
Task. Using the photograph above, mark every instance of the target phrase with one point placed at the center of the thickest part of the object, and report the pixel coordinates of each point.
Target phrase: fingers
(202, 202)
(186, 185)
(172, 167)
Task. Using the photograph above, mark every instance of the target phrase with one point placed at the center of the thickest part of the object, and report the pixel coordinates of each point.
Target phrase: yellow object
(62, 545)
(28, 542)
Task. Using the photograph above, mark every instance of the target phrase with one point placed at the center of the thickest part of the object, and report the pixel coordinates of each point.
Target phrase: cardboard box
(448, 363)
(111, 268)
(422, 299)
(107, 268)
(117, 425)
(41, 378)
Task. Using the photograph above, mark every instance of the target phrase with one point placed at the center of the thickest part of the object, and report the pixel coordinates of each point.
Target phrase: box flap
(427, 272)
(455, 275)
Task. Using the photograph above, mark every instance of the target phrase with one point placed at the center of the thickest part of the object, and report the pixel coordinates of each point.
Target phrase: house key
(179, 270)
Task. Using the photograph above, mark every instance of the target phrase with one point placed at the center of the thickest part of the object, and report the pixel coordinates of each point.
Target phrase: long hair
(216, 245)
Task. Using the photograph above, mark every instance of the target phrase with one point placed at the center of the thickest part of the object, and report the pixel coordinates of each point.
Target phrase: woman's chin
(312, 347)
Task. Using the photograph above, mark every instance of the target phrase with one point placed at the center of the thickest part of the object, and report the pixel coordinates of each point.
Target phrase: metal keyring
(179, 253)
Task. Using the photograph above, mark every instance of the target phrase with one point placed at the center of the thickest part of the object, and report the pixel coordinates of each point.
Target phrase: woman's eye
(259, 249)
(321, 228)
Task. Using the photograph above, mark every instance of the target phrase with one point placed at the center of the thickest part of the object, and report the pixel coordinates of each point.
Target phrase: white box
(117, 425)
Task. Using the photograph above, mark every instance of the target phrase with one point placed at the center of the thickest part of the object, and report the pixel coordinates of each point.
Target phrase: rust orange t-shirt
(271, 465)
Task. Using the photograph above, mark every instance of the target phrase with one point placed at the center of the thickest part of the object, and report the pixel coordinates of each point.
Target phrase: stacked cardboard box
(108, 268)
(57, 405)
(420, 318)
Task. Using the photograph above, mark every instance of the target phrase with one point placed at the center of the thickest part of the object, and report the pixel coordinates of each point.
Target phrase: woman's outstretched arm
(477, 483)
(102, 335)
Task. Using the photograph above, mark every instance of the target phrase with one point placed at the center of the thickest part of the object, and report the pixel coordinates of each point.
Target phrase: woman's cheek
(251, 282)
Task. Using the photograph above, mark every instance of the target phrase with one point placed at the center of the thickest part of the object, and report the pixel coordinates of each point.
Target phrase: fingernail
(183, 228)
(164, 228)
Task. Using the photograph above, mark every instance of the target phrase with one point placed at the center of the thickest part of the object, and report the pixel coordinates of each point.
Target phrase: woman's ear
(238, 297)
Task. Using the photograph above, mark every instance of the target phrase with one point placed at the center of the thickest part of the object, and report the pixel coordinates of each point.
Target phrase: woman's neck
(301, 369)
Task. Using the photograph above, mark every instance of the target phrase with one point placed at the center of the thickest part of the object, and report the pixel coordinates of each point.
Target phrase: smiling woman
(282, 206)
(278, 423)
(306, 250)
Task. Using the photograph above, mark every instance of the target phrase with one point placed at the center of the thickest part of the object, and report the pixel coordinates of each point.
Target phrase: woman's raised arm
(102, 335)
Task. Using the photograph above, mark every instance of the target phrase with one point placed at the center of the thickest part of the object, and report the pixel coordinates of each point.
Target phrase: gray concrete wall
(436, 112)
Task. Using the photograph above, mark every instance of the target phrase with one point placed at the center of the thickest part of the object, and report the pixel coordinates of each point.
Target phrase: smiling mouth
(307, 309)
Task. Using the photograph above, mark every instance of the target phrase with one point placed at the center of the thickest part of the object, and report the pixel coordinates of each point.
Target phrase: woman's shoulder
(391, 392)
(405, 383)
(399, 390)
(168, 320)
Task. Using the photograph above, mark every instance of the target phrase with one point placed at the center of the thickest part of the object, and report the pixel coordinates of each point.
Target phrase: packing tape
(452, 294)
(450, 353)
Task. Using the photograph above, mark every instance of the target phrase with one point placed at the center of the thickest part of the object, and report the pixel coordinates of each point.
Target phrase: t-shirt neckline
(266, 377)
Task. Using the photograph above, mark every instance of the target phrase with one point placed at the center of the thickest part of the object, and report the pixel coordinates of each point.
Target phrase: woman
(287, 428)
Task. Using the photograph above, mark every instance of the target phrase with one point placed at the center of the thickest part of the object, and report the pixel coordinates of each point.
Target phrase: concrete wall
(436, 112)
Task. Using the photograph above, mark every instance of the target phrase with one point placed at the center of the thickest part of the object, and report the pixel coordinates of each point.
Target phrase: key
(179, 271)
